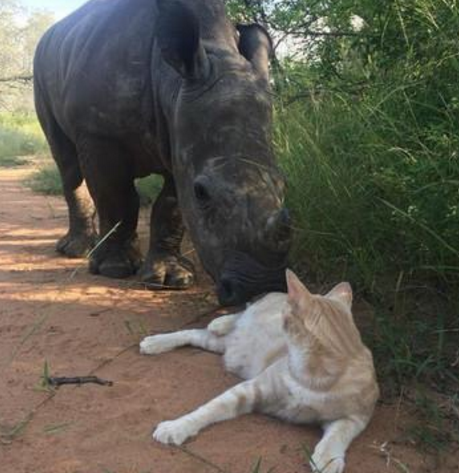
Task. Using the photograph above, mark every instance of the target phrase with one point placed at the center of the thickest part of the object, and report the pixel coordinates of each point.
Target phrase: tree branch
(17, 79)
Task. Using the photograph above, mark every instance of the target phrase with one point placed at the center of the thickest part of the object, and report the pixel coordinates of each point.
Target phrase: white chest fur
(257, 339)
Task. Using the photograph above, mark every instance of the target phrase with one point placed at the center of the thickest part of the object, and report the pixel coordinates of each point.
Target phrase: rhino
(129, 88)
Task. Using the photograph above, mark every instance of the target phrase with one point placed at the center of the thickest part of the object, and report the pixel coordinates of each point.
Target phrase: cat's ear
(296, 289)
(342, 292)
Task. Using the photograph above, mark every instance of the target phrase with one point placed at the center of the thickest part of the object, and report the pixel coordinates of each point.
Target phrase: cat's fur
(303, 361)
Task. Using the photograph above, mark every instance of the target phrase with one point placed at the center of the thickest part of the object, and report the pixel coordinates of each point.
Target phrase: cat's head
(321, 323)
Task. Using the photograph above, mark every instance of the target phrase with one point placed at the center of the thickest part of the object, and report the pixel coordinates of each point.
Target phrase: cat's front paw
(173, 432)
(323, 462)
(155, 344)
(222, 325)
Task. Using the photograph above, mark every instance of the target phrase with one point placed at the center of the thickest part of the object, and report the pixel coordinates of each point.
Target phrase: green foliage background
(367, 131)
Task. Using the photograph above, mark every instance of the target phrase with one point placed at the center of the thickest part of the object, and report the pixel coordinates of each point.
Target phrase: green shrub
(148, 189)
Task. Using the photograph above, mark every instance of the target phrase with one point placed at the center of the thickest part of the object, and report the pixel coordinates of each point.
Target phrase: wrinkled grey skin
(126, 88)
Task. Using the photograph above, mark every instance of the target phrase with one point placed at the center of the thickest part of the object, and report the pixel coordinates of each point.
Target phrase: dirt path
(83, 324)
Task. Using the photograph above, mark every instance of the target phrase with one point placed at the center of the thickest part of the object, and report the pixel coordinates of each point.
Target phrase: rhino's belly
(143, 151)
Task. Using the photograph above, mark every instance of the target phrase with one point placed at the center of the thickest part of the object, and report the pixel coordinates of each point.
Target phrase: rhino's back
(93, 67)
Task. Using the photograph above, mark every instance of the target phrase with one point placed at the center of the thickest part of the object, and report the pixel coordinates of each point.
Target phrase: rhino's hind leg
(164, 267)
(81, 234)
(108, 175)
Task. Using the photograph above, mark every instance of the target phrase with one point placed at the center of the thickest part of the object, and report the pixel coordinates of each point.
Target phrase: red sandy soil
(83, 324)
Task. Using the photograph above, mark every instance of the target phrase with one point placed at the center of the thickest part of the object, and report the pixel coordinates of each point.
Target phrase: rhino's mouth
(243, 278)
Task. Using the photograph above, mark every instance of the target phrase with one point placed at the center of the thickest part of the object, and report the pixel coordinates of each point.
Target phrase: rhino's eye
(202, 194)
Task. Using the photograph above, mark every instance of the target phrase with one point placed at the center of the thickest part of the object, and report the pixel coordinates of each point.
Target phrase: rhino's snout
(277, 232)
(230, 292)
(243, 278)
(233, 290)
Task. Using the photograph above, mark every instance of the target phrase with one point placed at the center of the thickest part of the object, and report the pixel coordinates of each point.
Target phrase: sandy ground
(82, 324)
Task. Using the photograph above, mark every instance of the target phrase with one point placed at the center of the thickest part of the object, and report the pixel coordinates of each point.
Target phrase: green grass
(257, 468)
(55, 429)
(20, 136)
(46, 180)
(373, 186)
(43, 385)
(371, 157)
(9, 434)
(367, 202)
(12, 161)
(376, 205)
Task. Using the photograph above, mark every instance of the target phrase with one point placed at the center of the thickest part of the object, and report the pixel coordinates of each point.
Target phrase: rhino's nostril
(230, 292)
(226, 290)
(201, 193)
(283, 230)
(284, 217)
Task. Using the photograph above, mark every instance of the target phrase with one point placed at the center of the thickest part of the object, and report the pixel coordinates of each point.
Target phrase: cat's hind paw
(173, 432)
(156, 344)
(323, 463)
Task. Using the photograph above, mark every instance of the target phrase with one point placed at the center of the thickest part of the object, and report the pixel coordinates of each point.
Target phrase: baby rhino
(303, 361)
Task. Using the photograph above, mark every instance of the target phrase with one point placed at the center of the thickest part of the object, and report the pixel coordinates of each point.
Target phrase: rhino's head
(230, 190)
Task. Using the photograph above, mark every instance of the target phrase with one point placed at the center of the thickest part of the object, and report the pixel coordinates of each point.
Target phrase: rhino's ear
(178, 35)
(256, 46)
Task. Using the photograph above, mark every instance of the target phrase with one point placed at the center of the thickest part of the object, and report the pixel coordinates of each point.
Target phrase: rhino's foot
(114, 260)
(76, 245)
(166, 271)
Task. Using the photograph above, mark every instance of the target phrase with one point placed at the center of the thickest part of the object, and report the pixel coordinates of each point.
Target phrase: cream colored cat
(303, 359)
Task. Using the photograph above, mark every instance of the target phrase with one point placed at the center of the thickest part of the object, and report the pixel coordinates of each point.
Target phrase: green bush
(148, 189)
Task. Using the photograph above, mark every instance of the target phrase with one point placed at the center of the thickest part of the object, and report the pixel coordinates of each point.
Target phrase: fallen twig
(56, 382)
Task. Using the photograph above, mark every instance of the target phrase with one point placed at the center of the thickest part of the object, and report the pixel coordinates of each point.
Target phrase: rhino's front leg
(107, 172)
(164, 267)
